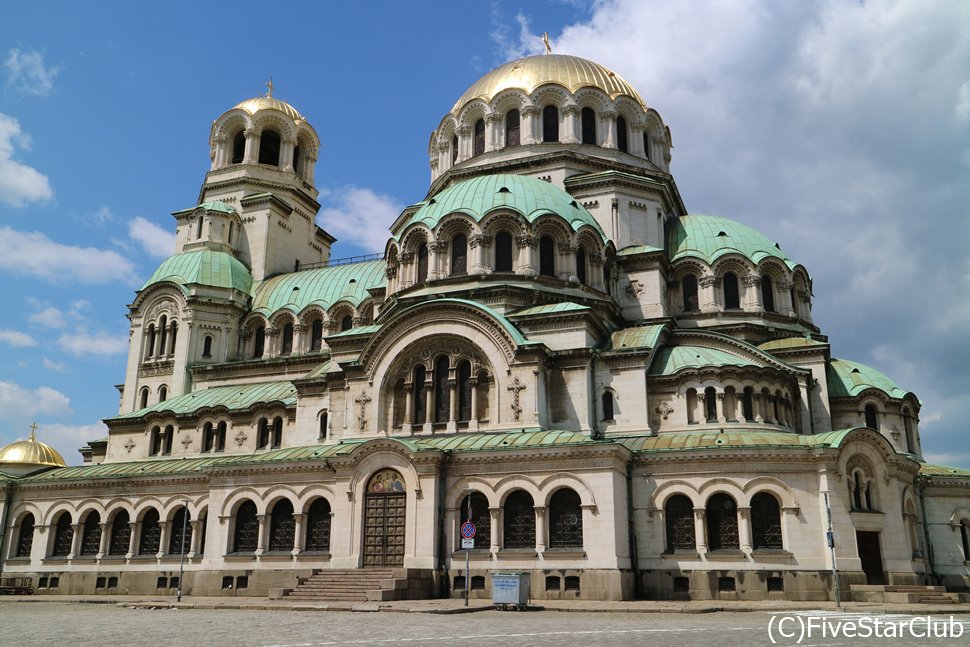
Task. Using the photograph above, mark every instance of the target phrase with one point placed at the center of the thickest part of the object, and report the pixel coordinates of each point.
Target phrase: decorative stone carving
(241, 437)
(362, 401)
(129, 445)
(186, 441)
(516, 388)
(664, 409)
(634, 289)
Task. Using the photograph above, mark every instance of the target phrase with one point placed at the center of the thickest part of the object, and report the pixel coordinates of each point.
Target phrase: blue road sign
(468, 530)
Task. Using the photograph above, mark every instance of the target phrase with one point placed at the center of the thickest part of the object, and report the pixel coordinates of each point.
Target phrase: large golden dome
(30, 452)
(530, 72)
(254, 105)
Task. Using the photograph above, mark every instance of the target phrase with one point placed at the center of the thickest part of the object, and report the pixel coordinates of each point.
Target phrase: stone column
(133, 538)
(721, 412)
(196, 540)
(707, 293)
(428, 407)
(444, 159)
(165, 537)
(473, 421)
(756, 405)
(567, 262)
(492, 131)
(464, 143)
(308, 165)
(252, 147)
(299, 335)
(103, 544)
(700, 529)
(744, 528)
(541, 528)
(408, 408)
(527, 248)
(571, 122)
(478, 243)
(77, 530)
(286, 154)
(636, 145)
(784, 303)
(596, 279)
(610, 122)
(453, 405)
(495, 519)
(436, 257)
(752, 293)
(528, 126)
(299, 534)
(262, 533)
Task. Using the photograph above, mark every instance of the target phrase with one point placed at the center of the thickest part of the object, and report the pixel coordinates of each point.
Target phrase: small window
(269, 148)
(459, 254)
(710, 404)
(324, 421)
(550, 124)
(161, 583)
(572, 583)
(512, 130)
(346, 323)
(286, 344)
(589, 126)
(112, 582)
(454, 149)
(681, 585)
(646, 146)
(242, 582)
(277, 431)
(776, 585)
(581, 265)
(732, 295)
(553, 583)
(297, 159)
(207, 347)
(162, 394)
(227, 583)
(262, 433)
(621, 135)
(316, 335)
(259, 342)
(503, 252)
(422, 263)
(238, 147)
(198, 228)
(55, 582)
(459, 583)
(688, 288)
(547, 259)
(725, 585)
(608, 405)
(478, 582)
(872, 420)
(479, 145)
(144, 397)
(767, 294)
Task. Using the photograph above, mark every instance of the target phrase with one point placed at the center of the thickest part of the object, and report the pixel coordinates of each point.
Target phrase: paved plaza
(46, 623)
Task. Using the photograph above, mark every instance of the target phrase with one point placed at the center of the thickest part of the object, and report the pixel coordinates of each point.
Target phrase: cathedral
(626, 399)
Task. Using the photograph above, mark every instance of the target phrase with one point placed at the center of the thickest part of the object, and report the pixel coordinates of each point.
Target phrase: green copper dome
(324, 286)
(203, 267)
(527, 196)
(711, 237)
(847, 379)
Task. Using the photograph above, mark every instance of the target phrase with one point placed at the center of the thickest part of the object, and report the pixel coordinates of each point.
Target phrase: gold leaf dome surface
(30, 452)
(530, 72)
(254, 105)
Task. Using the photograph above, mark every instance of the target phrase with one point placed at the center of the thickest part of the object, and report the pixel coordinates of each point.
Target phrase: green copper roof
(789, 342)
(513, 332)
(670, 360)
(710, 237)
(217, 205)
(324, 287)
(930, 469)
(527, 196)
(203, 267)
(359, 330)
(731, 438)
(234, 398)
(638, 249)
(550, 308)
(636, 337)
(848, 379)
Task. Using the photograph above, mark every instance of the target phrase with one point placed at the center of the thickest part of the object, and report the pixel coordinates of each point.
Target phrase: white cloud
(17, 339)
(27, 75)
(51, 365)
(19, 183)
(48, 317)
(360, 217)
(103, 216)
(35, 254)
(68, 439)
(99, 343)
(154, 239)
(20, 404)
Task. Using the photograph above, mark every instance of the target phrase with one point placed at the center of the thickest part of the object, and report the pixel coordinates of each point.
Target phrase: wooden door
(385, 507)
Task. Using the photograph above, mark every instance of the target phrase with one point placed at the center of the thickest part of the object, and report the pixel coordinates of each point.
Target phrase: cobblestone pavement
(54, 623)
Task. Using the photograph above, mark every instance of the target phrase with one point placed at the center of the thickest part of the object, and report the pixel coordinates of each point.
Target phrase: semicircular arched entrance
(385, 512)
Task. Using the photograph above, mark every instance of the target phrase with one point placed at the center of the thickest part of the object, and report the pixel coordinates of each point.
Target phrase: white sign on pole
(467, 544)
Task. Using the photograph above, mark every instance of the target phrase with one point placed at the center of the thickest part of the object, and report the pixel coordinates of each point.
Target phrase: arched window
(245, 538)
(422, 263)
(144, 397)
(282, 527)
(908, 429)
(581, 265)
(163, 335)
(459, 254)
(872, 420)
(179, 533)
(269, 147)
(420, 393)
(478, 147)
(220, 444)
(454, 149)
(722, 523)
(150, 345)
(565, 520)
(747, 404)
(646, 146)
(589, 126)
(63, 535)
(855, 488)
(259, 342)
(688, 288)
(464, 390)
(519, 520)
(208, 437)
(346, 323)
(239, 147)
(442, 393)
(262, 433)
(710, 404)
(547, 256)
(318, 526)
(229, 237)
(25, 536)
(155, 442)
(767, 294)
(162, 393)
(732, 296)
(316, 335)
(169, 437)
(550, 124)
(608, 402)
(198, 227)
(207, 346)
(175, 335)
(297, 159)
(277, 431)
(608, 278)
(286, 343)
(765, 522)
(679, 519)
(512, 136)
(621, 135)
(479, 517)
(151, 533)
(120, 539)
(503, 252)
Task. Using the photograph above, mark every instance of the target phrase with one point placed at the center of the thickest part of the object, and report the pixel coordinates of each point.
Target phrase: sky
(839, 129)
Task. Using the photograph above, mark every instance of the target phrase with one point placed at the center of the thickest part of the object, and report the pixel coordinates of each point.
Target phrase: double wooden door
(384, 519)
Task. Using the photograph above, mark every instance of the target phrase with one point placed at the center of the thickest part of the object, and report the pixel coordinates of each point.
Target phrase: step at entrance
(354, 585)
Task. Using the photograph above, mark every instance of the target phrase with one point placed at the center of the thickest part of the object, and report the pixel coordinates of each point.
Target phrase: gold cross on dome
(269, 87)
(33, 431)
(545, 41)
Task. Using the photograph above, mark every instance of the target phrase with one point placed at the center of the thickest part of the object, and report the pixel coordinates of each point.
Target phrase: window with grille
(465, 390)
(91, 534)
(120, 534)
(420, 393)
(679, 516)
(180, 533)
(442, 394)
(765, 521)
(480, 517)
(151, 533)
(722, 523)
(282, 527)
(520, 520)
(459, 254)
(318, 526)
(25, 540)
(246, 535)
(63, 536)
(565, 520)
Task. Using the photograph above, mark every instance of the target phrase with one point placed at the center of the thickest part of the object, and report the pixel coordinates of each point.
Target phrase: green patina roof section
(638, 249)
(527, 196)
(324, 287)
(203, 267)
(730, 438)
(789, 342)
(234, 397)
(526, 439)
(672, 359)
(636, 337)
(848, 379)
(359, 330)
(697, 236)
(931, 469)
(550, 308)
(513, 332)
(324, 369)
(218, 205)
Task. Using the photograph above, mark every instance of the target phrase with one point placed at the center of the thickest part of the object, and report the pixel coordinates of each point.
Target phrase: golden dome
(254, 105)
(530, 72)
(30, 452)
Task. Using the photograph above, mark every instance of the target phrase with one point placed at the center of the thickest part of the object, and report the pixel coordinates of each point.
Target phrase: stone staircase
(352, 585)
(903, 594)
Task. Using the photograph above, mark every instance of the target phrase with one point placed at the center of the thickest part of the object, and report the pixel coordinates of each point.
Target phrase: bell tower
(258, 200)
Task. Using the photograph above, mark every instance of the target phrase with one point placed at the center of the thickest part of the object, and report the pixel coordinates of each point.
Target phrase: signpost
(468, 531)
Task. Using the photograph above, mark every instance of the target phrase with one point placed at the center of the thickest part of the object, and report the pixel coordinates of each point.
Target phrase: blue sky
(841, 130)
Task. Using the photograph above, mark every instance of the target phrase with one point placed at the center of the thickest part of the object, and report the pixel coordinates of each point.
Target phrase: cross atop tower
(545, 41)
(33, 431)
(269, 88)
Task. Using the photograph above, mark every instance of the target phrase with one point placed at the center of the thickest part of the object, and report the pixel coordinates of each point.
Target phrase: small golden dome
(30, 452)
(530, 72)
(254, 105)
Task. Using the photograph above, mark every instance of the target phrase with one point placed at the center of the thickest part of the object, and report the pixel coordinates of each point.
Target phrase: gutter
(634, 558)
(921, 483)
(442, 482)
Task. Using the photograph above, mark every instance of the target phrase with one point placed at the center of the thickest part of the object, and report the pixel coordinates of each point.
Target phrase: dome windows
(238, 148)
(512, 130)
(588, 118)
(503, 252)
(478, 146)
(732, 295)
(459, 254)
(269, 147)
(550, 124)
(547, 259)
(621, 135)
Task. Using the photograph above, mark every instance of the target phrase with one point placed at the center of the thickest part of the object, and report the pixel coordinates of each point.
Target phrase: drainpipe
(442, 482)
(3, 527)
(594, 428)
(632, 527)
(921, 483)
